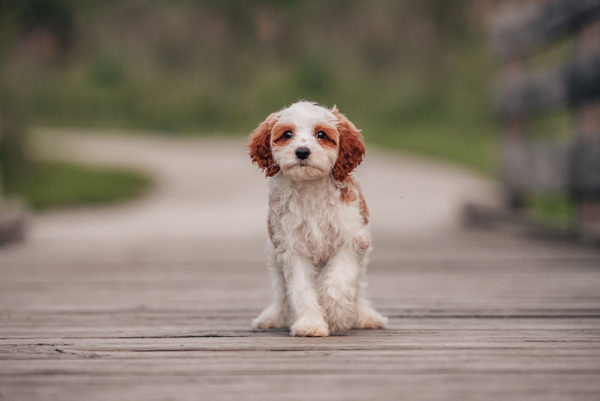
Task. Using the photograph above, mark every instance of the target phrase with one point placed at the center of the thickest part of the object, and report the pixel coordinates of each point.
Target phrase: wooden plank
(318, 386)
(369, 361)
(469, 312)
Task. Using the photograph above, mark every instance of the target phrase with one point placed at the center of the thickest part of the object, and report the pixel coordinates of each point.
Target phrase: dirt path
(207, 187)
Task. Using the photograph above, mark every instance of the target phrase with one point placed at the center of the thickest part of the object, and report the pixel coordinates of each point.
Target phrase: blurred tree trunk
(19, 17)
(11, 155)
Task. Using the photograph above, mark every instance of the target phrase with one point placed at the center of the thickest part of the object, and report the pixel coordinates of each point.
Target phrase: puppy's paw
(369, 318)
(271, 318)
(310, 328)
(340, 308)
(341, 319)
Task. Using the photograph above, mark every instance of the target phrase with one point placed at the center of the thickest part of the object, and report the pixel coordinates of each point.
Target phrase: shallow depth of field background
(414, 75)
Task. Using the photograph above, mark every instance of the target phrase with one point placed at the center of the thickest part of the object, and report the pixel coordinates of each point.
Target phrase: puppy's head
(306, 141)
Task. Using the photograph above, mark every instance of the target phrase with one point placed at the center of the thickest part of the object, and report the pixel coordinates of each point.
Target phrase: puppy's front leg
(339, 290)
(308, 315)
(276, 314)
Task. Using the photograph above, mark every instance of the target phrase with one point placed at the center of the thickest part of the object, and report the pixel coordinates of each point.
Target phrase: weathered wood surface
(95, 307)
(472, 316)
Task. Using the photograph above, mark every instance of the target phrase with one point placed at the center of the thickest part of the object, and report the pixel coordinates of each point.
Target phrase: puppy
(318, 221)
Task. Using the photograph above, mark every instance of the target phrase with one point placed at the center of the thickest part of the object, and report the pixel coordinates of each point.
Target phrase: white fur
(317, 253)
(304, 116)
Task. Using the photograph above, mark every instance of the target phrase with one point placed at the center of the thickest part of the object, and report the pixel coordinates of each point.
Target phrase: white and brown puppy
(318, 221)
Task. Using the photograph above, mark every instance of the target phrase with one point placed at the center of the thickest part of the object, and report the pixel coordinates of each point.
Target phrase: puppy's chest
(313, 223)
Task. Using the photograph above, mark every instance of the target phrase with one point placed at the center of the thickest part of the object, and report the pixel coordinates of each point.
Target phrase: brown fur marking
(259, 147)
(364, 210)
(350, 193)
(351, 147)
(332, 133)
(277, 132)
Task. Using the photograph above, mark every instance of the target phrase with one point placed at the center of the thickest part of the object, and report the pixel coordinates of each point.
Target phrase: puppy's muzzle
(302, 153)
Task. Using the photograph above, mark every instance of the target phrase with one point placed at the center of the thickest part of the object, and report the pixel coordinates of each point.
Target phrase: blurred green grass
(412, 74)
(57, 184)
(557, 211)
(448, 119)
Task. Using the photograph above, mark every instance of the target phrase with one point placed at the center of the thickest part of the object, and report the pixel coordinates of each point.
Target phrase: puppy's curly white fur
(318, 221)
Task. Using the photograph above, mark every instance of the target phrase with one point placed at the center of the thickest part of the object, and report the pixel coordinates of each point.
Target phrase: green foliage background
(413, 74)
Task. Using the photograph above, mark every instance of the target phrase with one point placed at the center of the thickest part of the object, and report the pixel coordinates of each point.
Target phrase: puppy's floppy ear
(259, 146)
(351, 147)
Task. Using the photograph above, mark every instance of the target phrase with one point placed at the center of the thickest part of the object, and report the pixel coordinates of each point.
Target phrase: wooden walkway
(474, 315)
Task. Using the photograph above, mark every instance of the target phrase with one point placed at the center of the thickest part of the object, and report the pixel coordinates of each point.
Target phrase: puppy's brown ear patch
(259, 146)
(351, 147)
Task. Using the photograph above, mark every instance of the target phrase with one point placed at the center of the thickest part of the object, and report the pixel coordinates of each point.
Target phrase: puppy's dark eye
(287, 135)
(322, 135)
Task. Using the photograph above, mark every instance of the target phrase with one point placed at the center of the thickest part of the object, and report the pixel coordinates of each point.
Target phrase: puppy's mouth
(302, 165)
(305, 167)
(305, 164)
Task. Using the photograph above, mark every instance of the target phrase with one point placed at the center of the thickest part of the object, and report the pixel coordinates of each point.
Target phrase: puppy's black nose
(302, 153)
